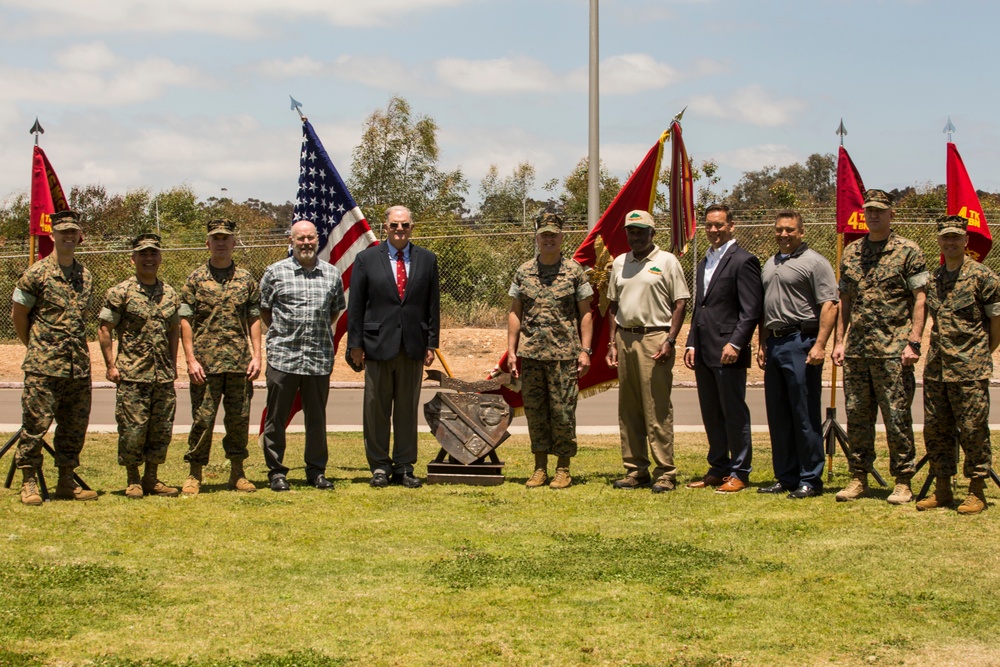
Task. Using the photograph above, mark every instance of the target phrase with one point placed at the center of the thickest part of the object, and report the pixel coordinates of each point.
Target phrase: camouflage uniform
(57, 362)
(880, 278)
(220, 315)
(142, 316)
(549, 347)
(959, 367)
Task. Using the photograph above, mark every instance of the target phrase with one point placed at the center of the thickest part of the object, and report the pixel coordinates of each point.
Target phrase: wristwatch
(588, 350)
(672, 341)
(914, 345)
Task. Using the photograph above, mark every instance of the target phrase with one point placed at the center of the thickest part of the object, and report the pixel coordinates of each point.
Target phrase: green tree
(794, 186)
(573, 199)
(15, 214)
(704, 175)
(506, 199)
(397, 163)
(118, 215)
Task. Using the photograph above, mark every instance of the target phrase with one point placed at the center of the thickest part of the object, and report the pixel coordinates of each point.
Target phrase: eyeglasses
(400, 225)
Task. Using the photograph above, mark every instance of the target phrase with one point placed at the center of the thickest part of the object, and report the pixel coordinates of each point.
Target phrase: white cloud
(302, 66)
(93, 75)
(752, 158)
(752, 105)
(503, 75)
(627, 73)
(243, 18)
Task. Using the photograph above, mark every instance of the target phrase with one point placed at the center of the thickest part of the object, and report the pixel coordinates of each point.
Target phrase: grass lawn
(450, 575)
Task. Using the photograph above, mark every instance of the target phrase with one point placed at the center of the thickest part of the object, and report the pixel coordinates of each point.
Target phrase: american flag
(324, 200)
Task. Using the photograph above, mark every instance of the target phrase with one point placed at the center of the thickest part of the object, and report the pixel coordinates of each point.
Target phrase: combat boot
(133, 488)
(562, 478)
(541, 474)
(68, 489)
(238, 478)
(976, 501)
(941, 497)
(152, 486)
(902, 493)
(29, 488)
(192, 485)
(856, 488)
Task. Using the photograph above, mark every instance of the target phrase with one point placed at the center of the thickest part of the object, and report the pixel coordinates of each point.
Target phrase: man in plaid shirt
(300, 300)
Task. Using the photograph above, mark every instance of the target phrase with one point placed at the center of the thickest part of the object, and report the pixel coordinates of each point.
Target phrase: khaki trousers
(645, 411)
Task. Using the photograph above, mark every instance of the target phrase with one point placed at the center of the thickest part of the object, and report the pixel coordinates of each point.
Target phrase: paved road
(597, 414)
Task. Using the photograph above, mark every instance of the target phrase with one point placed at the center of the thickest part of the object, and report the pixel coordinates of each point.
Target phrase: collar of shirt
(393, 251)
(713, 255)
(299, 267)
(630, 257)
(779, 258)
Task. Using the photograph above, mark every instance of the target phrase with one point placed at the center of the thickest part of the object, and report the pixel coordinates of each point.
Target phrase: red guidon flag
(963, 201)
(683, 220)
(606, 241)
(46, 198)
(850, 199)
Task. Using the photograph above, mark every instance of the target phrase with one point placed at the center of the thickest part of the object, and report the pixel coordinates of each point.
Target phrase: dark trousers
(392, 395)
(792, 393)
(281, 390)
(722, 393)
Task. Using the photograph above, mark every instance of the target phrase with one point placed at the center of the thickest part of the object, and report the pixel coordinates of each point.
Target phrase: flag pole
(36, 130)
(833, 431)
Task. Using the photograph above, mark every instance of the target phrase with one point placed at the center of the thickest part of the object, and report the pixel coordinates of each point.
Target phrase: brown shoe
(537, 479)
(942, 496)
(663, 485)
(706, 481)
(856, 488)
(68, 489)
(192, 485)
(976, 501)
(561, 480)
(152, 486)
(902, 493)
(29, 488)
(632, 482)
(238, 478)
(732, 484)
(133, 488)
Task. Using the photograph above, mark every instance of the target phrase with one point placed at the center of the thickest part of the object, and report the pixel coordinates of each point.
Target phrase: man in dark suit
(392, 329)
(727, 305)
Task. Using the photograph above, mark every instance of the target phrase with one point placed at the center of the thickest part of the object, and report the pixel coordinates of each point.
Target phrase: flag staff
(297, 107)
(948, 129)
(36, 130)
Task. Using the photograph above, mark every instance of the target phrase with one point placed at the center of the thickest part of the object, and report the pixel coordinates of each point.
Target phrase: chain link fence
(476, 260)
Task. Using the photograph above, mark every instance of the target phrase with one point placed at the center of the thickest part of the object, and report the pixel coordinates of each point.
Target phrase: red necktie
(400, 274)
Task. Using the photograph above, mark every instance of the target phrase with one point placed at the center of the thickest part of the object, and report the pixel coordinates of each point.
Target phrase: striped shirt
(303, 305)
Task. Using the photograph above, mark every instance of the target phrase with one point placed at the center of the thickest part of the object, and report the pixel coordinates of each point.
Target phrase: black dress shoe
(379, 480)
(777, 487)
(804, 492)
(279, 483)
(407, 480)
(321, 482)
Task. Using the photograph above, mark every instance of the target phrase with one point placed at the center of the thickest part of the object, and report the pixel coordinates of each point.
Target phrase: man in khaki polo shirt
(648, 295)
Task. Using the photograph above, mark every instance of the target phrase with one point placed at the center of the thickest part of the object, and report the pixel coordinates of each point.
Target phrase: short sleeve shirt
(880, 279)
(57, 303)
(302, 304)
(549, 296)
(220, 314)
(646, 289)
(796, 287)
(142, 316)
(960, 305)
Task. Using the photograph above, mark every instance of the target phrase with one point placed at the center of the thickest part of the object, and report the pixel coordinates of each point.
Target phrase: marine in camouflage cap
(550, 326)
(952, 224)
(878, 199)
(143, 241)
(220, 333)
(65, 220)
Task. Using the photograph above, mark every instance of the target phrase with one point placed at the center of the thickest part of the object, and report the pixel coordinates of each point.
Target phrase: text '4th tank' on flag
(963, 201)
(46, 198)
(606, 241)
(850, 199)
(343, 232)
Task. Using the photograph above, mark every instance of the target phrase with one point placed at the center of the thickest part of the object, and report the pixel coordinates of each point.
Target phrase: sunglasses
(400, 225)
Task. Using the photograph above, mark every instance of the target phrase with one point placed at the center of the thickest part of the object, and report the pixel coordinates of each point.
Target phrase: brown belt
(640, 331)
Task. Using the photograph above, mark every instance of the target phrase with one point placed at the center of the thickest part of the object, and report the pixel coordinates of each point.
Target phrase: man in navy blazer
(727, 305)
(393, 324)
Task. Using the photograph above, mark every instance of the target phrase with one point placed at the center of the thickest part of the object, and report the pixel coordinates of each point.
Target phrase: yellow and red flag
(46, 198)
(963, 201)
(850, 199)
(606, 241)
(683, 220)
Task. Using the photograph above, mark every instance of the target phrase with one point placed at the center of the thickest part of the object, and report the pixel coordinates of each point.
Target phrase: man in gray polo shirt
(648, 296)
(300, 300)
(800, 310)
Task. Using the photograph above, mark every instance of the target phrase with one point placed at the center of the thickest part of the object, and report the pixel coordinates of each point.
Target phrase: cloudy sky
(137, 93)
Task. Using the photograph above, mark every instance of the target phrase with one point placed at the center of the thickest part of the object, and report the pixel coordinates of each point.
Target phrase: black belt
(643, 330)
(788, 331)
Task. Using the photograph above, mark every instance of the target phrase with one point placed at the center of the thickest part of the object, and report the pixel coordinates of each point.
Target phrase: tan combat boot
(68, 489)
(856, 488)
(238, 478)
(902, 493)
(941, 497)
(976, 501)
(192, 485)
(29, 488)
(152, 486)
(562, 478)
(541, 474)
(133, 488)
